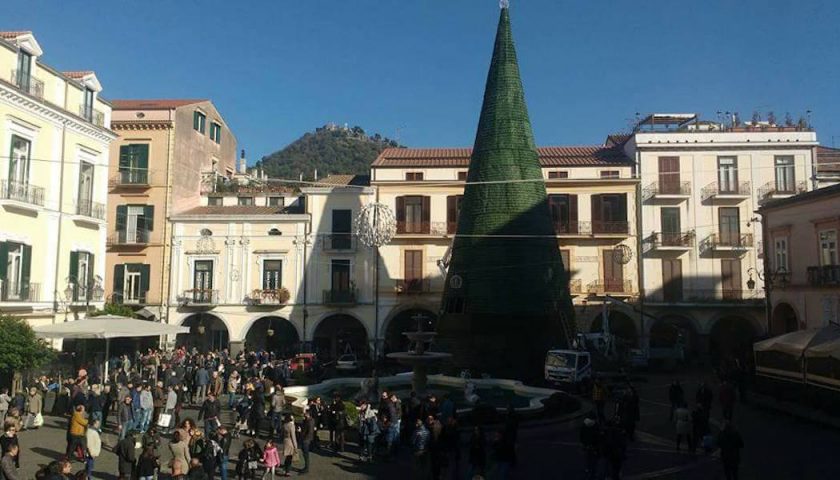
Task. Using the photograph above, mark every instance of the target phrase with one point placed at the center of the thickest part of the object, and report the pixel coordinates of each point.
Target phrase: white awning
(108, 326)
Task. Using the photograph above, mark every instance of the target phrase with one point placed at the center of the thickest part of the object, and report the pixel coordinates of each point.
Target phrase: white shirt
(94, 442)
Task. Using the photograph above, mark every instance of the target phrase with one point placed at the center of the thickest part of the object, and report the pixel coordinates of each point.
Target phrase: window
(609, 213)
(87, 107)
(275, 201)
(199, 121)
(81, 274)
(216, 132)
(672, 289)
(613, 272)
(245, 201)
(134, 223)
(134, 164)
(780, 250)
(727, 175)
(15, 262)
(19, 163)
(24, 70)
(669, 175)
(215, 201)
(203, 281)
(559, 174)
(272, 274)
(453, 209)
(730, 226)
(413, 214)
(84, 202)
(730, 274)
(274, 232)
(413, 271)
(340, 238)
(828, 247)
(564, 213)
(414, 176)
(131, 283)
(340, 275)
(785, 181)
(462, 176)
(670, 223)
(610, 174)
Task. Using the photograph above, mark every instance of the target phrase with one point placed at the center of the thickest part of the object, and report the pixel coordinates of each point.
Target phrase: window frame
(265, 283)
(199, 121)
(781, 258)
(212, 199)
(216, 132)
(731, 171)
(249, 201)
(784, 173)
(832, 249)
(414, 176)
(610, 174)
(558, 174)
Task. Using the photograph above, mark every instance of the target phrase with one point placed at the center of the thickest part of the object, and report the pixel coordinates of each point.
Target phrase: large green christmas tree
(506, 295)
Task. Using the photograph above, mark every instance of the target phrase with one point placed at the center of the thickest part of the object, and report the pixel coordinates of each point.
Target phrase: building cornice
(275, 218)
(56, 115)
(142, 124)
(725, 146)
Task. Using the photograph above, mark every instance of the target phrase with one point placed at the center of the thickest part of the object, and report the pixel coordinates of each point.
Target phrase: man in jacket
(8, 467)
(5, 400)
(34, 405)
(223, 440)
(159, 397)
(125, 417)
(78, 427)
(94, 446)
(209, 411)
(147, 404)
(307, 433)
(126, 456)
(278, 405)
(202, 379)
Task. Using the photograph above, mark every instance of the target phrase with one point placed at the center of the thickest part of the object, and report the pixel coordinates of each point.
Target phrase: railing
(92, 115)
(770, 189)
(412, 286)
(573, 228)
(736, 240)
(89, 208)
(712, 190)
(22, 192)
(123, 237)
(824, 276)
(610, 227)
(339, 242)
(270, 296)
(200, 296)
(340, 297)
(601, 287)
(671, 239)
(19, 292)
(422, 228)
(666, 188)
(575, 286)
(28, 84)
(723, 295)
(123, 299)
(80, 294)
(139, 177)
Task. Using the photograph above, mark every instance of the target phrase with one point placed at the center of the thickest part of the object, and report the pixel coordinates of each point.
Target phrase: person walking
(270, 459)
(699, 427)
(180, 448)
(94, 404)
(248, 460)
(209, 411)
(420, 469)
(615, 448)
(126, 417)
(126, 456)
(8, 464)
(147, 406)
(5, 401)
(148, 464)
(34, 407)
(202, 379)
(307, 432)
(590, 438)
(628, 412)
(290, 444)
(676, 397)
(704, 397)
(278, 406)
(223, 440)
(76, 435)
(94, 446)
(730, 443)
(682, 425)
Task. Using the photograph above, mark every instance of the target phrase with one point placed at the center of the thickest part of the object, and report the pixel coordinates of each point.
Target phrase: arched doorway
(339, 334)
(207, 332)
(621, 325)
(273, 334)
(731, 338)
(406, 321)
(673, 334)
(783, 320)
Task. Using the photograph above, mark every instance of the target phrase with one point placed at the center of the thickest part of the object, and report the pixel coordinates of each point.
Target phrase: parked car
(302, 361)
(347, 362)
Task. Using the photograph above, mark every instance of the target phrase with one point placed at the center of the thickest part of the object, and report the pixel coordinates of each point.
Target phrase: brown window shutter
(573, 214)
(427, 214)
(400, 214)
(451, 213)
(596, 214)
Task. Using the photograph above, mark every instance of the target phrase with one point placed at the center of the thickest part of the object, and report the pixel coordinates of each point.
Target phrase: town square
(572, 241)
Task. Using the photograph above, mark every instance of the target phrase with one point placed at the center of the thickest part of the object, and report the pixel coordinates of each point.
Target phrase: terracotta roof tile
(828, 160)
(617, 139)
(153, 104)
(77, 75)
(345, 180)
(11, 35)
(234, 210)
(586, 155)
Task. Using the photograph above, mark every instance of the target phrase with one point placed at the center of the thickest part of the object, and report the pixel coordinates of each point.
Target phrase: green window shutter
(125, 156)
(122, 215)
(91, 265)
(149, 216)
(119, 272)
(25, 271)
(195, 120)
(74, 273)
(145, 276)
(4, 259)
(141, 151)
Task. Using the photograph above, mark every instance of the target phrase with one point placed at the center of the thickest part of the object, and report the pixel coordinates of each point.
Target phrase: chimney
(243, 164)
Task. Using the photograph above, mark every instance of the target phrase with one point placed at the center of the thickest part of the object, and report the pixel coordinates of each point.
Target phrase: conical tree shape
(506, 288)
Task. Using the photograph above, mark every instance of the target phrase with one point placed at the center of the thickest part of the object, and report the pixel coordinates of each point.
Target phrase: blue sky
(277, 69)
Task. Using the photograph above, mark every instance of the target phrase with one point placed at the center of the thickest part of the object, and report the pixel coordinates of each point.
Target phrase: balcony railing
(824, 276)
(130, 299)
(92, 115)
(270, 296)
(340, 297)
(575, 286)
(200, 296)
(22, 192)
(601, 287)
(28, 84)
(723, 295)
(667, 188)
(713, 190)
(123, 237)
(671, 239)
(412, 286)
(729, 240)
(132, 177)
(610, 228)
(339, 242)
(89, 208)
(573, 228)
(19, 292)
(771, 189)
(422, 228)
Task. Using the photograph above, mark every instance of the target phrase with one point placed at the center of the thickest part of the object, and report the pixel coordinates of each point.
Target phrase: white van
(568, 366)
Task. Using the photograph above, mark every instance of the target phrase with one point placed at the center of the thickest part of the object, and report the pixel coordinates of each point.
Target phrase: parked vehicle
(568, 366)
(302, 361)
(347, 362)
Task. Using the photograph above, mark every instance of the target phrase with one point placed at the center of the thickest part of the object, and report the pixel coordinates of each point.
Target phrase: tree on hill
(329, 150)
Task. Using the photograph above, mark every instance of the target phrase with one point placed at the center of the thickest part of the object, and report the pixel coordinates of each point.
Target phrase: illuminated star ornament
(504, 4)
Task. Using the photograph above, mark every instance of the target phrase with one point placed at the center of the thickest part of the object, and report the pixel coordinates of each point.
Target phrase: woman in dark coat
(126, 456)
(255, 416)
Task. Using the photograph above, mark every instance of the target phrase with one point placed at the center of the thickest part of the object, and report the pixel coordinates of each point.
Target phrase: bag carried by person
(164, 419)
(38, 421)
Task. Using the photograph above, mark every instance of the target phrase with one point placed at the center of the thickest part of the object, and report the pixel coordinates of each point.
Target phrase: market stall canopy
(108, 326)
(801, 341)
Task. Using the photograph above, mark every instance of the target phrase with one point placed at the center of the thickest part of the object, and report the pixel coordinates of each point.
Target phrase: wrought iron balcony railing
(602, 287)
(19, 291)
(339, 242)
(270, 296)
(729, 240)
(28, 83)
(132, 177)
(22, 192)
(716, 190)
(610, 228)
(89, 208)
(200, 296)
(666, 188)
(124, 237)
(771, 189)
(824, 276)
(92, 115)
(671, 239)
(412, 286)
(422, 228)
(340, 297)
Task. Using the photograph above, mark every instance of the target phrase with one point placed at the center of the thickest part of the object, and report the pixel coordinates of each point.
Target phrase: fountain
(417, 355)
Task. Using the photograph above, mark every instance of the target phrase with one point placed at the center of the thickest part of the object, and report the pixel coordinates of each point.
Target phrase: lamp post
(771, 280)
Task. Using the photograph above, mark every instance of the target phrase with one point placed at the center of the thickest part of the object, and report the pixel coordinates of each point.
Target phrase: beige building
(53, 185)
(168, 151)
(801, 270)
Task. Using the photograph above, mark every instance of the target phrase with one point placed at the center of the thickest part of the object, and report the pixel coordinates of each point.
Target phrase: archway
(671, 332)
(731, 338)
(207, 332)
(274, 334)
(406, 321)
(338, 334)
(621, 325)
(783, 320)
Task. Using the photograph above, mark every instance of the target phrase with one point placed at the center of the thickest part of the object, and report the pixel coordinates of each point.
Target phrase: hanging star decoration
(504, 4)
(376, 225)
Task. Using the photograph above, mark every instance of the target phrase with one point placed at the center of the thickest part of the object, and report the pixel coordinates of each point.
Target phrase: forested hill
(330, 149)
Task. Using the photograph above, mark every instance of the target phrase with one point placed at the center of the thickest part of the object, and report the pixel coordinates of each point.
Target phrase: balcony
(824, 276)
(22, 192)
(771, 191)
(138, 237)
(713, 191)
(588, 229)
(610, 228)
(28, 84)
(199, 296)
(718, 296)
(132, 177)
(270, 296)
(616, 288)
(422, 228)
(575, 286)
(121, 298)
(92, 115)
(671, 240)
(667, 190)
(90, 209)
(338, 243)
(727, 242)
(412, 286)
(340, 297)
(19, 292)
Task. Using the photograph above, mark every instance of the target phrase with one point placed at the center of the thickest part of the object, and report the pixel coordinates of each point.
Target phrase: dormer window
(414, 176)
(199, 122)
(87, 107)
